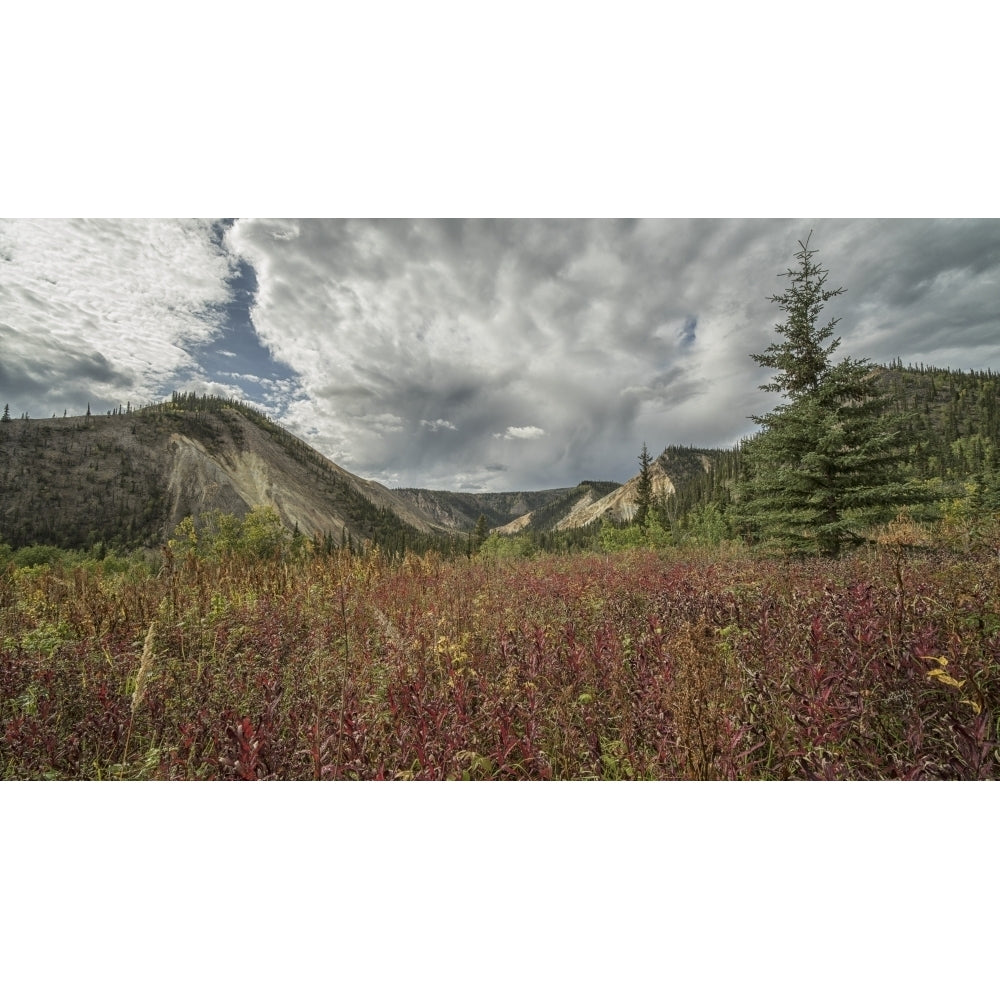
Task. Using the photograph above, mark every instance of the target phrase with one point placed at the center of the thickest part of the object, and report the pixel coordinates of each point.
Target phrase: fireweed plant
(656, 665)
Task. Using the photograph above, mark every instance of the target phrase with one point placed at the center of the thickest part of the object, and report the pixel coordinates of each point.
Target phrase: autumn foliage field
(632, 665)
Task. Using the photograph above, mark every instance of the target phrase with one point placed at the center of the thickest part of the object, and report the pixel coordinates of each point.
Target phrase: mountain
(593, 501)
(461, 511)
(563, 512)
(127, 479)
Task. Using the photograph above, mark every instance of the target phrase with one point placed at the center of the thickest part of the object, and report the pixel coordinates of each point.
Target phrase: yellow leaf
(945, 678)
(940, 660)
(976, 707)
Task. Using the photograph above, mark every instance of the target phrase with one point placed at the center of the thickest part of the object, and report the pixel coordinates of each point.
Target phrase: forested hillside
(127, 478)
(952, 417)
(950, 420)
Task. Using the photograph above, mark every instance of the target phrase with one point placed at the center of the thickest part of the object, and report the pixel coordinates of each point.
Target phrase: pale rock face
(261, 472)
(619, 505)
(91, 470)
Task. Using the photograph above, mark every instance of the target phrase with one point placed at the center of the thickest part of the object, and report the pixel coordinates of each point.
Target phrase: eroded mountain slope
(127, 479)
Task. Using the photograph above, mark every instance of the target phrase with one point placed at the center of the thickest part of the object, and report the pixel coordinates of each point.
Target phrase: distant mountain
(564, 511)
(592, 501)
(461, 511)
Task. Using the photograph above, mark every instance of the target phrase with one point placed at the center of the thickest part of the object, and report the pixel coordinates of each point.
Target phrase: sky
(471, 354)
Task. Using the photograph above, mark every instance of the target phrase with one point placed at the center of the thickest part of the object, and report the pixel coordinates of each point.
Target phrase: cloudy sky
(470, 354)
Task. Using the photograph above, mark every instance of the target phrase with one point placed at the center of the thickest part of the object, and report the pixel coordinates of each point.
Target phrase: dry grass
(145, 667)
(703, 700)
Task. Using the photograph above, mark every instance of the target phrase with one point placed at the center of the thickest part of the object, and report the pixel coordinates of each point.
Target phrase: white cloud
(107, 308)
(437, 425)
(383, 423)
(521, 433)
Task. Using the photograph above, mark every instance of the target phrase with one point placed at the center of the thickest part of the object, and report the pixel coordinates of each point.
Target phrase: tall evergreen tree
(644, 488)
(800, 357)
(828, 462)
(481, 534)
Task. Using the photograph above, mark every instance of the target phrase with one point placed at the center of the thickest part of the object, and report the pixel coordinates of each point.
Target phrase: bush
(507, 547)
(260, 534)
(40, 555)
(620, 538)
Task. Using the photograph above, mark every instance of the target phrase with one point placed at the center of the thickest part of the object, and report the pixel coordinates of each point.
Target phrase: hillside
(549, 516)
(671, 469)
(127, 479)
(951, 418)
(461, 511)
(590, 502)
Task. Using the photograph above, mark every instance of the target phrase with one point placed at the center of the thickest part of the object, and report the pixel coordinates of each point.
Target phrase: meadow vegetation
(242, 652)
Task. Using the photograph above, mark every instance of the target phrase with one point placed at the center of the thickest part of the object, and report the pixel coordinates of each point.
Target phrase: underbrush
(633, 665)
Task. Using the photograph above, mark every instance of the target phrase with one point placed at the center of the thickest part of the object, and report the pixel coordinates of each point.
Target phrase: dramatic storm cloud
(472, 354)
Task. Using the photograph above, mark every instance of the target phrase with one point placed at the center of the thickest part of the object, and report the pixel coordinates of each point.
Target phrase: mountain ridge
(461, 511)
(128, 478)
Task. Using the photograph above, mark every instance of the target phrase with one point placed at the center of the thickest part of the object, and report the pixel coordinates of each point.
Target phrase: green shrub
(507, 547)
(618, 538)
(39, 555)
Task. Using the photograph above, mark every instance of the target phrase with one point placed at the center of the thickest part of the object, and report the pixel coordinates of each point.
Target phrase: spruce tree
(644, 488)
(800, 357)
(828, 463)
(481, 534)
